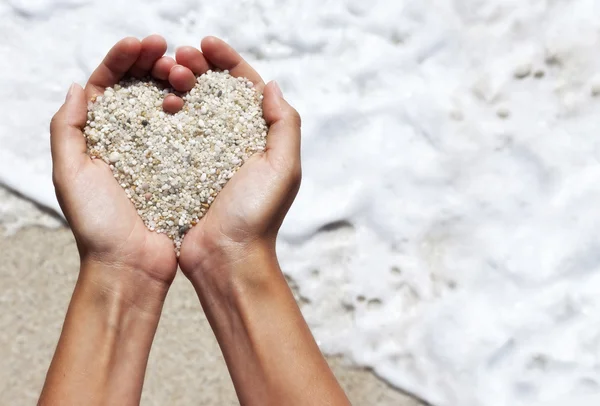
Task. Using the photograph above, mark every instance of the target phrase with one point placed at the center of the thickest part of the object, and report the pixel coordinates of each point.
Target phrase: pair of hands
(247, 213)
(229, 256)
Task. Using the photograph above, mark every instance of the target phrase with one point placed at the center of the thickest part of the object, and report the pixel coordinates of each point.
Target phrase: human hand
(126, 270)
(247, 213)
(105, 223)
(229, 257)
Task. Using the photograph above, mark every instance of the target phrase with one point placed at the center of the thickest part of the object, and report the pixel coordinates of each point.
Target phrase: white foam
(463, 262)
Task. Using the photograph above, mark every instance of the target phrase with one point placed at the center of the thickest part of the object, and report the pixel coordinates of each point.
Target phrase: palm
(113, 225)
(255, 200)
(245, 207)
(104, 221)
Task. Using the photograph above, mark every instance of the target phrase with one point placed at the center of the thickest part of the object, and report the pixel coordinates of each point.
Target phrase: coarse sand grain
(173, 166)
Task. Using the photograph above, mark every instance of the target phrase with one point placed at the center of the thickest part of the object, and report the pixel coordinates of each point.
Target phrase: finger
(163, 67)
(67, 142)
(115, 65)
(153, 47)
(222, 56)
(192, 59)
(172, 104)
(283, 139)
(181, 78)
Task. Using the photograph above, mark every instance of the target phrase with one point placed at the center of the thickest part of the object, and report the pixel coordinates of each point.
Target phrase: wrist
(257, 323)
(205, 255)
(115, 285)
(104, 346)
(221, 268)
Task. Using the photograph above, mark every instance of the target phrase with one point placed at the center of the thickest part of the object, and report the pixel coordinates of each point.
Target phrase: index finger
(222, 56)
(115, 65)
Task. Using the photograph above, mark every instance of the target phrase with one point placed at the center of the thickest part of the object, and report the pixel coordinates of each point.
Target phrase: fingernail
(277, 89)
(70, 92)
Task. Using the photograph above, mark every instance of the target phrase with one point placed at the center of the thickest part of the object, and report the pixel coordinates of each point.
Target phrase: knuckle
(61, 176)
(289, 169)
(295, 117)
(56, 179)
(55, 122)
(295, 173)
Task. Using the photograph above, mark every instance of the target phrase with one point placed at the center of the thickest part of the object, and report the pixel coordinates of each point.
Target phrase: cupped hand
(105, 223)
(250, 209)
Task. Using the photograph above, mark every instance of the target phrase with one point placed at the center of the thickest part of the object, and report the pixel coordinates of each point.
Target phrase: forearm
(103, 349)
(270, 352)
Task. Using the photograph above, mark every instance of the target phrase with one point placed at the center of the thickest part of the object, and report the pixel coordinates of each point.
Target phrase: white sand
(173, 166)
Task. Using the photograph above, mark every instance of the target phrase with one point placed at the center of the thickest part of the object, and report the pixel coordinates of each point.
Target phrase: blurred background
(445, 241)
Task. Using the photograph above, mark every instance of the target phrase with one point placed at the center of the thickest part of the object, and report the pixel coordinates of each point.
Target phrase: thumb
(284, 123)
(67, 142)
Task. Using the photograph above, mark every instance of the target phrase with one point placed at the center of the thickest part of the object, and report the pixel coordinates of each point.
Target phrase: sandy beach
(445, 235)
(37, 273)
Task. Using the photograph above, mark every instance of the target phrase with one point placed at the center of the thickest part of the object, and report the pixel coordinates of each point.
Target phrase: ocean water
(447, 230)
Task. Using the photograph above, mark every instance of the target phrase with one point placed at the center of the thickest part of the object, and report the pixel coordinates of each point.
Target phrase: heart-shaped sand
(173, 166)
